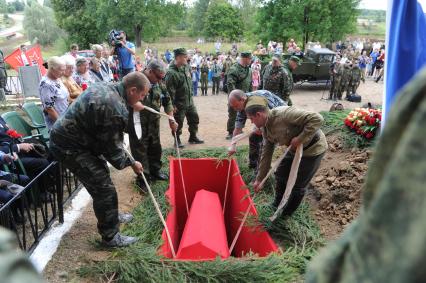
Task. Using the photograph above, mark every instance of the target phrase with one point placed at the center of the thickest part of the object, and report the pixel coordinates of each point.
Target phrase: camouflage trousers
(232, 115)
(190, 112)
(307, 169)
(342, 88)
(93, 172)
(147, 150)
(204, 83)
(255, 149)
(352, 88)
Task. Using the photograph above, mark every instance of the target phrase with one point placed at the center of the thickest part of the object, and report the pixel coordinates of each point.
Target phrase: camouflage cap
(256, 101)
(180, 51)
(156, 66)
(276, 56)
(245, 54)
(296, 59)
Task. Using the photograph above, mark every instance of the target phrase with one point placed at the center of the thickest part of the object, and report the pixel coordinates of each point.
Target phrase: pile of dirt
(337, 187)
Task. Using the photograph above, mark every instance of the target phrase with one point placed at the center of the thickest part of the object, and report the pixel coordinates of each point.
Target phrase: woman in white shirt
(53, 93)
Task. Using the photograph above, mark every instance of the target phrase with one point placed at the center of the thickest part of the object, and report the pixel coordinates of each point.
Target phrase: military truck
(315, 65)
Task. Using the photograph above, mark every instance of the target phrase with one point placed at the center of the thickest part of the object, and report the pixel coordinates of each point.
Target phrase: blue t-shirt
(374, 56)
(125, 58)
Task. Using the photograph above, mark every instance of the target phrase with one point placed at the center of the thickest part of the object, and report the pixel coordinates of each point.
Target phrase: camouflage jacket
(95, 122)
(179, 85)
(239, 77)
(355, 77)
(14, 265)
(346, 74)
(275, 80)
(204, 69)
(157, 97)
(288, 87)
(387, 242)
(226, 66)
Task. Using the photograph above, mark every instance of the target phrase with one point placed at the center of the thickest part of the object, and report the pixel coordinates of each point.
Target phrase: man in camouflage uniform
(289, 66)
(354, 79)
(288, 126)
(147, 149)
(334, 79)
(344, 81)
(15, 267)
(226, 67)
(275, 77)
(204, 70)
(239, 77)
(237, 100)
(387, 242)
(179, 86)
(89, 134)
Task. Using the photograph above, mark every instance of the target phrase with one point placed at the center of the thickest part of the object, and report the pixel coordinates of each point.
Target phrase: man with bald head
(147, 147)
(89, 135)
(237, 101)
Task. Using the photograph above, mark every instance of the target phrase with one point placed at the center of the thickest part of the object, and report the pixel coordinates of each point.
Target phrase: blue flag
(405, 47)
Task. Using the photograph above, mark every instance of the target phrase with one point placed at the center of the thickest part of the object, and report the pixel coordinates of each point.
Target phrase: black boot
(193, 139)
(139, 182)
(179, 143)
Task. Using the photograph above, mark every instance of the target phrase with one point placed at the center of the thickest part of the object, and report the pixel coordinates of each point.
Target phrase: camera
(115, 38)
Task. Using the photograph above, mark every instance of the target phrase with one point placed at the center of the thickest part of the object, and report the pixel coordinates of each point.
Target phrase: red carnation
(13, 134)
(369, 135)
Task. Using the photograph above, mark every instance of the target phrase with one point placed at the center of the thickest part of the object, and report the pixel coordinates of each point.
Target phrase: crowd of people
(87, 109)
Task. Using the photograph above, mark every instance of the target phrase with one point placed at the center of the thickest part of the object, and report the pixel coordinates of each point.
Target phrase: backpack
(353, 97)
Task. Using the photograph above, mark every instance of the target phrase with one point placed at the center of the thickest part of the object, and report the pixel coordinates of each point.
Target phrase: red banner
(33, 57)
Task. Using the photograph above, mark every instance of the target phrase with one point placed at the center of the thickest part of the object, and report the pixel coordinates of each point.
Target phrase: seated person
(95, 70)
(81, 75)
(31, 161)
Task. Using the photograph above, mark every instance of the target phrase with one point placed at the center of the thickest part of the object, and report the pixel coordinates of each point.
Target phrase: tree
(76, 19)
(223, 20)
(141, 19)
(305, 20)
(248, 10)
(197, 16)
(39, 24)
(90, 21)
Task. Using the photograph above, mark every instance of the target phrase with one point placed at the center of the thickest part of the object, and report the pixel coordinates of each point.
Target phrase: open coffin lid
(210, 174)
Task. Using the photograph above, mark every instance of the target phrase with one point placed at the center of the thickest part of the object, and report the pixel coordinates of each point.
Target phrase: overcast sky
(382, 4)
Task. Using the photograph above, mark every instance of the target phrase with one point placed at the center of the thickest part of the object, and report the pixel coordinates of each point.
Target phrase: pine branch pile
(299, 236)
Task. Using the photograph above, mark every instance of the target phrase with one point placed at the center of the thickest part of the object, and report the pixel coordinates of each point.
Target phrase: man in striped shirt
(238, 100)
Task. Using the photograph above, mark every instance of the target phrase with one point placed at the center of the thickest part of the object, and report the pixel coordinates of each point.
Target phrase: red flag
(33, 55)
(35, 58)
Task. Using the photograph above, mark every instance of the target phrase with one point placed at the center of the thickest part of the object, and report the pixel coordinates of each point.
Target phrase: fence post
(60, 191)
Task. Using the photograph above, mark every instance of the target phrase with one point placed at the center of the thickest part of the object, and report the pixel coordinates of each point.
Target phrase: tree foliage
(197, 16)
(223, 21)
(90, 21)
(39, 24)
(74, 17)
(306, 20)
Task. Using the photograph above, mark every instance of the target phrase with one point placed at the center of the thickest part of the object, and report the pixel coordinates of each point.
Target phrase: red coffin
(209, 174)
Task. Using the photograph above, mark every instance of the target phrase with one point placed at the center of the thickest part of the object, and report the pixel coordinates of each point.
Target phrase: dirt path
(77, 246)
(213, 112)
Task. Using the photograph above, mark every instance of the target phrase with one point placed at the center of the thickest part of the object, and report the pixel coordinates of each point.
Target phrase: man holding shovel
(237, 100)
(291, 127)
(146, 148)
(89, 134)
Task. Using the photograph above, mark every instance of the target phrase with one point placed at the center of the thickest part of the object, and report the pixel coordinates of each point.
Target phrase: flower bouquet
(364, 121)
